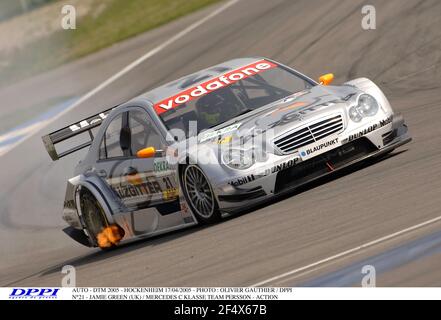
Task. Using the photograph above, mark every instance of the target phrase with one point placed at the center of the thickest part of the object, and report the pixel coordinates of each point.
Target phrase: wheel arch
(82, 184)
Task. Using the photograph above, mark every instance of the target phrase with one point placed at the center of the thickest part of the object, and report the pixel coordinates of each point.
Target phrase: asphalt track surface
(287, 241)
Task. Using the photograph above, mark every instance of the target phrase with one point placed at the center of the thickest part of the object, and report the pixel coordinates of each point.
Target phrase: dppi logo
(35, 293)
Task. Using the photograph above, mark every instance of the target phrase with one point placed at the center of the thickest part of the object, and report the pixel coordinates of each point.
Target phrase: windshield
(225, 98)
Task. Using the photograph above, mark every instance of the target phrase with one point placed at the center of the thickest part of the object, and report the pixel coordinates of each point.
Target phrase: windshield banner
(213, 84)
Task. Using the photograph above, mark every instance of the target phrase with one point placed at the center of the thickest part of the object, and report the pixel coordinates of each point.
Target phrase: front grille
(295, 139)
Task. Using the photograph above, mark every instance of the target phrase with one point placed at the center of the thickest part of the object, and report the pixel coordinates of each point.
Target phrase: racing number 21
(168, 183)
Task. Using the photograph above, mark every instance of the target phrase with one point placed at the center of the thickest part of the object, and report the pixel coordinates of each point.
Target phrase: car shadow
(98, 255)
(101, 255)
(319, 182)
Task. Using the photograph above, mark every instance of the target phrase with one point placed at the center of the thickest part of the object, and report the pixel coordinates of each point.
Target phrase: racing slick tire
(199, 194)
(93, 215)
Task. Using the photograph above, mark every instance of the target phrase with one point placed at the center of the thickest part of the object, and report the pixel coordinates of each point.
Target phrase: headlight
(354, 114)
(238, 158)
(367, 107)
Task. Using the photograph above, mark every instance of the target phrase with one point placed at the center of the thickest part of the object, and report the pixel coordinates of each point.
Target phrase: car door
(113, 165)
(153, 175)
(156, 171)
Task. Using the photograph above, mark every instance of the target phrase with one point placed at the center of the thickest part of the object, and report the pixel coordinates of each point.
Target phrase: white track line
(347, 252)
(127, 69)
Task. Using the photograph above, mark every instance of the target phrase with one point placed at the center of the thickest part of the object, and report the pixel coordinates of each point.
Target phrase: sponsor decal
(141, 185)
(297, 112)
(369, 129)
(242, 181)
(142, 189)
(34, 293)
(85, 123)
(318, 148)
(284, 165)
(184, 207)
(225, 140)
(296, 105)
(186, 212)
(213, 85)
(208, 135)
(161, 165)
(275, 169)
(170, 194)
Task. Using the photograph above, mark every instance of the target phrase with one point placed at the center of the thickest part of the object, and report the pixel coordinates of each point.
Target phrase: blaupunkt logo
(34, 293)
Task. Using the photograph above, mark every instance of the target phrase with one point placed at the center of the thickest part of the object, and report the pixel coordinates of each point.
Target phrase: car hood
(286, 114)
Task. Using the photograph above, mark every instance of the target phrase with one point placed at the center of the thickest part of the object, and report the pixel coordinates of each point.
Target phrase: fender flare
(95, 187)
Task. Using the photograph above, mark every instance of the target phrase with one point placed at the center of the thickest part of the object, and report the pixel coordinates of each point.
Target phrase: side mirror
(149, 152)
(326, 79)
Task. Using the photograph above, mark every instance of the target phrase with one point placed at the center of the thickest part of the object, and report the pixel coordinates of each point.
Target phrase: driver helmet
(210, 108)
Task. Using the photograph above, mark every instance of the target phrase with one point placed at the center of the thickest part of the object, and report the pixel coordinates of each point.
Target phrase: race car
(213, 143)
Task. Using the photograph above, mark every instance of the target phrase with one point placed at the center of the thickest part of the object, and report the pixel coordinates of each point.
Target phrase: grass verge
(115, 21)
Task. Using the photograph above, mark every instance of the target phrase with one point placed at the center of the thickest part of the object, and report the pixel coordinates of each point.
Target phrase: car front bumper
(277, 178)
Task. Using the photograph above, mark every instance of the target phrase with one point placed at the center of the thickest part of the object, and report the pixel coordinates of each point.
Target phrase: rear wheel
(200, 195)
(93, 215)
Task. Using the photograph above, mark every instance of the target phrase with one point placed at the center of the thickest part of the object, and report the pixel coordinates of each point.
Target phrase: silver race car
(214, 142)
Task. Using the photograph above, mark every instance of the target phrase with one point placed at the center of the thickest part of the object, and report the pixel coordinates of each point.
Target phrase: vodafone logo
(213, 84)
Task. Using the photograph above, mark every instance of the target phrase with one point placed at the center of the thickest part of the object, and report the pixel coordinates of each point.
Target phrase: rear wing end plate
(52, 139)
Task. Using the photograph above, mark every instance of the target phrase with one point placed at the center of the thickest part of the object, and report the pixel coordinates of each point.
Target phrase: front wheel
(199, 195)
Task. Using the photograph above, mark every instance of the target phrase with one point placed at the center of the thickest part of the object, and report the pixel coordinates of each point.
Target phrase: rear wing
(51, 139)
